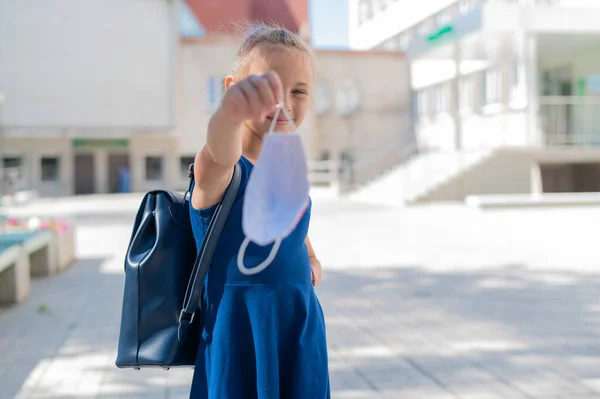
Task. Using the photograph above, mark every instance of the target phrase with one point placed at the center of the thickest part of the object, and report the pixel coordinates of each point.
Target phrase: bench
(65, 248)
(15, 281)
(41, 248)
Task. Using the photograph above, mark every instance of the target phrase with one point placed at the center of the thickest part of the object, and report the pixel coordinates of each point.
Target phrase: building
(90, 93)
(503, 91)
(225, 16)
(352, 112)
(124, 108)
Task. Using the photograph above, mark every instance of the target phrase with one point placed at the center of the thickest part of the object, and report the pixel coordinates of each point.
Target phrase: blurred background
(455, 97)
(454, 156)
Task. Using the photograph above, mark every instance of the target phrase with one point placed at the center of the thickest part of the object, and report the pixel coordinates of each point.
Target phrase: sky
(329, 20)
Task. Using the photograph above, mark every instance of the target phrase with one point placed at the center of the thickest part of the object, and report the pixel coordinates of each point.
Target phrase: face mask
(277, 193)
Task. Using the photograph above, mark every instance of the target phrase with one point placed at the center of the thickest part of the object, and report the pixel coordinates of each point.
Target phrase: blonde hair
(260, 36)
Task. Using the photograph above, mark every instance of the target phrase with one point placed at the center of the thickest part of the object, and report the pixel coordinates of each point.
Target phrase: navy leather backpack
(164, 278)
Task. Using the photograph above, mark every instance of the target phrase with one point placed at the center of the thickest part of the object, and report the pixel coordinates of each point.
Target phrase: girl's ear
(229, 81)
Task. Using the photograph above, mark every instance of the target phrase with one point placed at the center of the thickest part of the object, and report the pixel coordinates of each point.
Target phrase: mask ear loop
(249, 271)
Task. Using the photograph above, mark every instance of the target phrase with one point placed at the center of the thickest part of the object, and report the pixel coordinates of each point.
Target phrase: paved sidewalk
(436, 302)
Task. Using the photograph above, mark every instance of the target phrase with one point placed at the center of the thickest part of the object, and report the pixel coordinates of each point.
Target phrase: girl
(263, 335)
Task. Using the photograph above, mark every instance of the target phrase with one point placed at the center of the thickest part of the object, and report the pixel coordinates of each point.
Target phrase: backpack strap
(204, 257)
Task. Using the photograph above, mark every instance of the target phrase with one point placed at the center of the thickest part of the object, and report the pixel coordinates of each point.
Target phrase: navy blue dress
(263, 336)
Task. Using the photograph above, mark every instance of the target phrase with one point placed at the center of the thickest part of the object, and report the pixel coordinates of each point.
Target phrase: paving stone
(428, 302)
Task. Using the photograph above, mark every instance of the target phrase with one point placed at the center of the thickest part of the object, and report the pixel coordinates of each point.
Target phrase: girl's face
(295, 71)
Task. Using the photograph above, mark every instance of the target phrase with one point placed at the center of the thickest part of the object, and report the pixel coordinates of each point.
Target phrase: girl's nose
(287, 101)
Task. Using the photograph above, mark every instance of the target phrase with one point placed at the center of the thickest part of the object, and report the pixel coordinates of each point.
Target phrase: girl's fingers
(275, 84)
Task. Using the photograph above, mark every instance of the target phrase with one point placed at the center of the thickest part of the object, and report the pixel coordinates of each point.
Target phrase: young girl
(263, 335)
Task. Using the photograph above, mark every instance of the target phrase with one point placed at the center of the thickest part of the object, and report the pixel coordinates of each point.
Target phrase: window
(492, 86)
(184, 164)
(215, 91)
(466, 94)
(466, 6)
(14, 166)
(12, 162)
(154, 168)
(426, 26)
(422, 104)
(517, 87)
(322, 98)
(440, 99)
(50, 168)
(404, 39)
(443, 18)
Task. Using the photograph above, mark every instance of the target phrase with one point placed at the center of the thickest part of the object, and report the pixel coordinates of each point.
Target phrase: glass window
(322, 98)
(12, 162)
(422, 104)
(154, 168)
(466, 93)
(50, 168)
(443, 18)
(215, 90)
(493, 86)
(465, 6)
(14, 165)
(404, 39)
(440, 99)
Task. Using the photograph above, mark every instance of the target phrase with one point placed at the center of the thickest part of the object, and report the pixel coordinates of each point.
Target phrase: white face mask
(277, 193)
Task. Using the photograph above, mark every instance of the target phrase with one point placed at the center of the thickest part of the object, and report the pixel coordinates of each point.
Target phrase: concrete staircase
(420, 178)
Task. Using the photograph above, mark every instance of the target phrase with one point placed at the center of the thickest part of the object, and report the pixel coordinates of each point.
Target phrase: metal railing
(364, 163)
(570, 120)
(323, 172)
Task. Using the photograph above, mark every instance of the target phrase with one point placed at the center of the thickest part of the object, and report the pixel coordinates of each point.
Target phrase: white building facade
(90, 93)
(495, 73)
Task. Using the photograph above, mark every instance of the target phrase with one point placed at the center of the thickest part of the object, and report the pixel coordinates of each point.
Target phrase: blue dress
(263, 336)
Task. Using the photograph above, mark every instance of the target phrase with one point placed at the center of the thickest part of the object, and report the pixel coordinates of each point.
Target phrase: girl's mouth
(280, 121)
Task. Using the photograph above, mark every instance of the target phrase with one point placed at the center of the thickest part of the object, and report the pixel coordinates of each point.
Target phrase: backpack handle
(204, 257)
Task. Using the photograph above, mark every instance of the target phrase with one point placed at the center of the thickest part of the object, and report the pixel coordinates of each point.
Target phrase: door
(85, 174)
(557, 178)
(118, 172)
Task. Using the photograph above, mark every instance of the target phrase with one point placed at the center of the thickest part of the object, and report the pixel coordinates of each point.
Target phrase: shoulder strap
(204, 258)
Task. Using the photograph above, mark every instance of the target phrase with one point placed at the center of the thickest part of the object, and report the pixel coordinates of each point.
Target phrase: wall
(397, 17)
(384, 110)
(509, 171)
(503, 172)
(61, 68)
(199, 60)
(479, 130)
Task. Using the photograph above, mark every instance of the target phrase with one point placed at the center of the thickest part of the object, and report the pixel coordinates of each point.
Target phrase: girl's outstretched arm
(250, 98)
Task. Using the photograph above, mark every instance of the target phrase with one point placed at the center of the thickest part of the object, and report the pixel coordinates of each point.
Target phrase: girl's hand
(317, 273)
(253, 98)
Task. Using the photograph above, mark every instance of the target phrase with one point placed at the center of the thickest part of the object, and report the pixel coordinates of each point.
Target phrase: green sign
(441, 33)
(100, 143)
